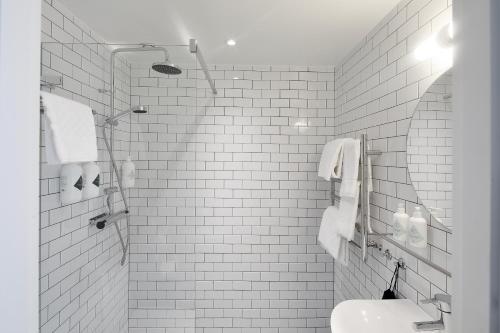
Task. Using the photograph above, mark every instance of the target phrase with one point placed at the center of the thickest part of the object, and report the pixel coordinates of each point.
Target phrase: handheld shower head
(136, 109)
(139, 109)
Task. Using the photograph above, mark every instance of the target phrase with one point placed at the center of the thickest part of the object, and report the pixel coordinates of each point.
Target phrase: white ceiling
(299, 32)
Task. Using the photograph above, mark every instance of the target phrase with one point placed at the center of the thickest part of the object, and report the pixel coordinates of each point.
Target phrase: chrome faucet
(435, 325)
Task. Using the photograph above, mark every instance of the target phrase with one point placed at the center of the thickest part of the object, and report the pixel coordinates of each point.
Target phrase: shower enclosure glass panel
(162, 251)
(82, 282)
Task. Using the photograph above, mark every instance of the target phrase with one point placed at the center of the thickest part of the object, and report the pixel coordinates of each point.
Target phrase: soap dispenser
(128, 173)
(71, 183)
(91, 180)
(400, 223)
(417, 234)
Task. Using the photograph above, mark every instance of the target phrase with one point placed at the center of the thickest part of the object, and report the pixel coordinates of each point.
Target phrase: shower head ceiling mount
(165, 66)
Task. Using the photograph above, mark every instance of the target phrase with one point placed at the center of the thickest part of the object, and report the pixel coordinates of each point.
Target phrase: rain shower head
(166, 67)
(136, 109)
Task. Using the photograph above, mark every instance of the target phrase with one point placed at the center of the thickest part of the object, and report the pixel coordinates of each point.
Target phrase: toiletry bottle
(70, 183)
(417, 234)
(400, 223)
(91, 180)
(128, 173)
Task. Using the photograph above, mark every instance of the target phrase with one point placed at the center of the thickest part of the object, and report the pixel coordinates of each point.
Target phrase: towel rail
(362, 227)
(363, 162)
(42, 108)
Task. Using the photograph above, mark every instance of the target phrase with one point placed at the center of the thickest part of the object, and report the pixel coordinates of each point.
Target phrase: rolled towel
(347, 215)
(70, 135)
(330, 164)
(350, 165)
(330, 239)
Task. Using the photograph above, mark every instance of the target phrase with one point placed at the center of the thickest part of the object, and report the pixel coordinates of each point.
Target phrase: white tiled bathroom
(319, 166)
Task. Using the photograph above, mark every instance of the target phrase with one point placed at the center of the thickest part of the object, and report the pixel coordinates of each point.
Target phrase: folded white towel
(351, 152)
(347, 213)
(70, 135)
(330, 164)
(329, 237)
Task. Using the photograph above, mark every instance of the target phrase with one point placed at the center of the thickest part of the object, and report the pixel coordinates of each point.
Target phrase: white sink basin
(376, 316)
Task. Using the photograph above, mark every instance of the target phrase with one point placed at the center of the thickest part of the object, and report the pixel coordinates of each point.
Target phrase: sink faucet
(435, 325)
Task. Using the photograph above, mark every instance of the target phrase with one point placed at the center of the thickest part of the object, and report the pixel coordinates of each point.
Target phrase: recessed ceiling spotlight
(231, 42)
(236, 78)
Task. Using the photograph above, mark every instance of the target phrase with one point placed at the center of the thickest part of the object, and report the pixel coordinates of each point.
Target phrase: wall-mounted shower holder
(100, 221)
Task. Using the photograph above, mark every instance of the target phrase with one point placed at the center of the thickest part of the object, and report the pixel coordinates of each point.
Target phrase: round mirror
(430, 149)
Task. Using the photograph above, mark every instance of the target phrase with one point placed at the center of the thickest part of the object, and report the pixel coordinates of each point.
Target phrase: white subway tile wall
(377, 88)
(83, 287)
(229, 203)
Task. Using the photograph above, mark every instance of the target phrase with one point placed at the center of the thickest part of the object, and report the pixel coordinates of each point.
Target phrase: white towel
(330, 164)
(329, 237)
(351, 152)
(70, 135)
(347, 214)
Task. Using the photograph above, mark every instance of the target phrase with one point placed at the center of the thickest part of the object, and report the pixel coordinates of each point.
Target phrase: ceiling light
(231, 42)
(236, 78)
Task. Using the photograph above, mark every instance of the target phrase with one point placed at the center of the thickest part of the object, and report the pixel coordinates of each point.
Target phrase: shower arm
(143, 48)
(194, 48)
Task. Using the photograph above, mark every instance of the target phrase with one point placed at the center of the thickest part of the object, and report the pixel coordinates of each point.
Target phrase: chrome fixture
(193, 48)
(110, 193)
(362, 227)
(164, 67)
(387, 253)
(374, 244)
(428, 262)
(101, 220)
(364, 195)
(438, 300)
(50, 81)
(136, 109)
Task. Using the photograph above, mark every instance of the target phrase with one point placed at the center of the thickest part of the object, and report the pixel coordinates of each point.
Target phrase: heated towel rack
(362, 226)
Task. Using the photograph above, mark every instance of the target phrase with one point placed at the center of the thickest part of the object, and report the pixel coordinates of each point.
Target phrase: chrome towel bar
(362, 227)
